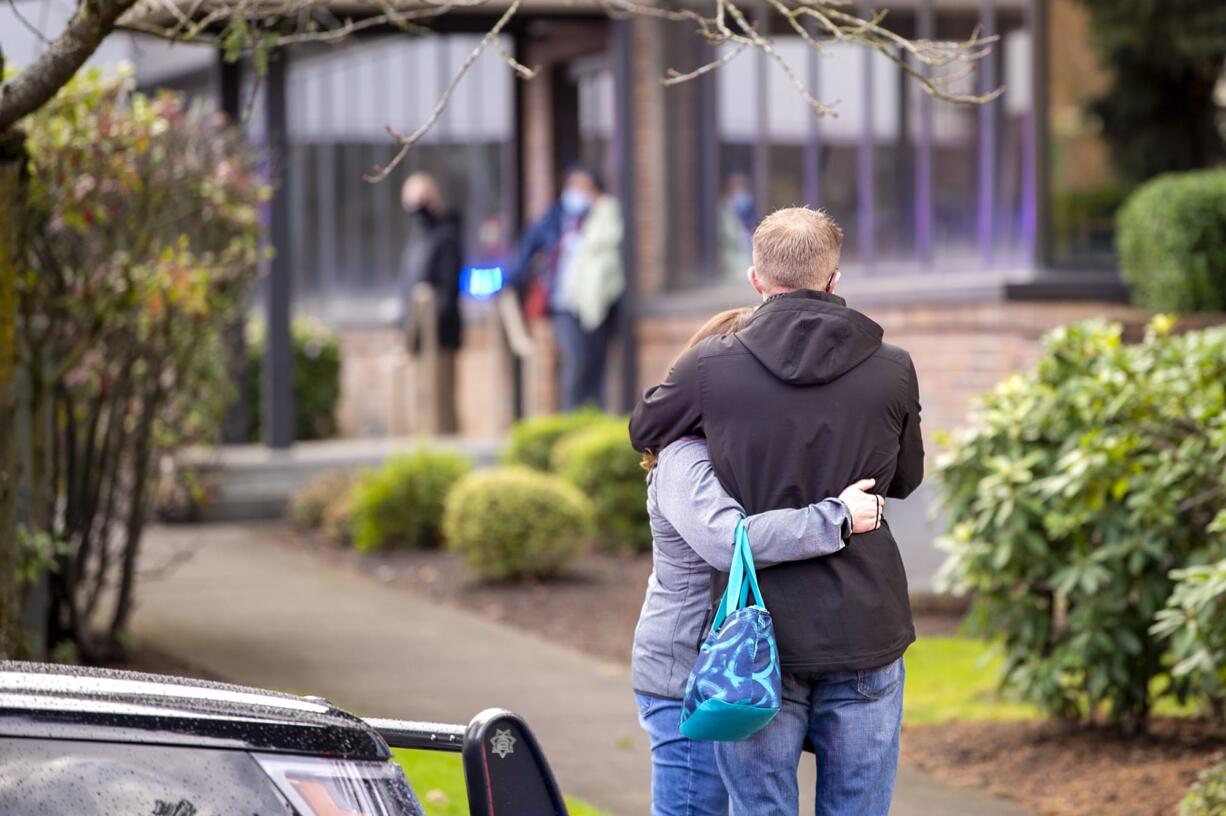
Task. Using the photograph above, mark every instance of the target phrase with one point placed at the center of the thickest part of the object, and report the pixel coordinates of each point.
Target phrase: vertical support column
(1039, 180)
(278, 393)
(986, 224)
(811, 156)
(1027, 215)
(709, 180)
(234, 426)
(925, 28)
(328, 256)
(512, 196)
(761, 146)
(866, 166)
(623, 142)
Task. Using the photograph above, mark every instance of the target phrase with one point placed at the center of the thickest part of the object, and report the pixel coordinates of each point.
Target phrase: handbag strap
(742, 579)
(751, 574)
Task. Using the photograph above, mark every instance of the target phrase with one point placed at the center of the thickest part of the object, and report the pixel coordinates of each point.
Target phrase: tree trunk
(12, 159)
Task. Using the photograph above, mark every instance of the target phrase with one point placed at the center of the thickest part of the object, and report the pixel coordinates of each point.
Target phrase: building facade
(970, 230)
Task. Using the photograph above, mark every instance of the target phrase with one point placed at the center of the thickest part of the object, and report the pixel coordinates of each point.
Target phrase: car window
(116, 779)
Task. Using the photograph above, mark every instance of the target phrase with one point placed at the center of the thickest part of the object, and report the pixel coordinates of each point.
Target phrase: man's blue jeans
(852, 719)
(684, 779)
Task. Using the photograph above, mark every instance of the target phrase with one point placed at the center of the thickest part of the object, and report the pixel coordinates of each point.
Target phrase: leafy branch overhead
(259, 27)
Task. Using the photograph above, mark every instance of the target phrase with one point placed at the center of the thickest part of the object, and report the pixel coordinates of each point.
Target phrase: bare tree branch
(39, 81)
(29, 26)
(676, 78)
(261, 26)
(406, 142)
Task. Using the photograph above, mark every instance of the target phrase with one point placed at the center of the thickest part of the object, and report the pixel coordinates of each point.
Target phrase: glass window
(353, 232)
(867, 165)
(1014, 237)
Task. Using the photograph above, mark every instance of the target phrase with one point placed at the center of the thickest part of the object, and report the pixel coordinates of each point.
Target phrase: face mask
(742, 204)
(575, 203)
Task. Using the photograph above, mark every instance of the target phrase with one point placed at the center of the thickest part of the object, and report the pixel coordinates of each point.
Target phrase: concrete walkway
(240, 600)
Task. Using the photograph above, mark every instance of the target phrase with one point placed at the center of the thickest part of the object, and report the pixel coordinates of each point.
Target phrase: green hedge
(532, 441)
(602, 464)
(1207, 797)
(401, 503)
(1076, 491)
(317, 379)
(516, 522)
(1171, 237)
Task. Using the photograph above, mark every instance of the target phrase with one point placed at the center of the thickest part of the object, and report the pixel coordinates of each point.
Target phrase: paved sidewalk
(250, 607)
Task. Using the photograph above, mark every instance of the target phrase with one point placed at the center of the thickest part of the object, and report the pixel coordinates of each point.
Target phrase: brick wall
(381, 390)
(959, 350)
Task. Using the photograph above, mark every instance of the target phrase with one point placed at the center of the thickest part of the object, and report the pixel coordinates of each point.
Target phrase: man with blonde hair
(804, 399)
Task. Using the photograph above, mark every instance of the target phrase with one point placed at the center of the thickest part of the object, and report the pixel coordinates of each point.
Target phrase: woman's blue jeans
(684, 778)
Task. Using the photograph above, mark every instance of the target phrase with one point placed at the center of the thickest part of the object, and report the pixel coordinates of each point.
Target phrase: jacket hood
(808, 338)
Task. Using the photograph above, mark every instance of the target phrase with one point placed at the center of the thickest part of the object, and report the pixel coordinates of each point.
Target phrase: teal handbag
(734, 688)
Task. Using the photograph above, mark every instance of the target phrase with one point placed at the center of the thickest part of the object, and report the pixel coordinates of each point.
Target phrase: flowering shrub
(144, 235)
(1072, 496)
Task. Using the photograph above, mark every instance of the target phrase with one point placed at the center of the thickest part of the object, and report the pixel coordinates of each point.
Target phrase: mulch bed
(1056, 770)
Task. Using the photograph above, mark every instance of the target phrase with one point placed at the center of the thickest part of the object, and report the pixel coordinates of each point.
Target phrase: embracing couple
(798, 417)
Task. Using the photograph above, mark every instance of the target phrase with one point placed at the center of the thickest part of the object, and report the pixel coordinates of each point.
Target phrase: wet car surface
(98, 742)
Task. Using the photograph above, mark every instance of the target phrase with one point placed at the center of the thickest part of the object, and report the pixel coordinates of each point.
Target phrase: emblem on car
(502, 743)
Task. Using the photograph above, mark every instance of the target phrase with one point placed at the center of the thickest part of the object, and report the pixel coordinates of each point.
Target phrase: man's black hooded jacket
(802, 402)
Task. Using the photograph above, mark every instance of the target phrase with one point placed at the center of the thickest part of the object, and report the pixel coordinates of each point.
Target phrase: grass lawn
(954, 678)
(438, 779)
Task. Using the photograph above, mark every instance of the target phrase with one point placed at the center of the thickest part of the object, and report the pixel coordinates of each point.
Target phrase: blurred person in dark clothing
(430, 267)
(571, 261)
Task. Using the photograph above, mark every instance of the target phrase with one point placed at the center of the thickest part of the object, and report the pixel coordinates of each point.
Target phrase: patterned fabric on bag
(734, 687)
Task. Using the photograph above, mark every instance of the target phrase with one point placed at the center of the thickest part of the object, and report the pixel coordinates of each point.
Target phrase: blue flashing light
(481, 281)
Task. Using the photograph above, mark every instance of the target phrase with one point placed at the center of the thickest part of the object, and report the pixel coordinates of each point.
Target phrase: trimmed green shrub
(401, 503)
(532, 441)
(1073, 494)
(602, 464)
(317, 379)
(1171, 237)
(1195, 621)
(308, 505)
(1207, 796)
(516, 522)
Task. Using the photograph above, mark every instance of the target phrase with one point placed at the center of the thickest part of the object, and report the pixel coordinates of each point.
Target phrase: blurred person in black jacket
(432, 258)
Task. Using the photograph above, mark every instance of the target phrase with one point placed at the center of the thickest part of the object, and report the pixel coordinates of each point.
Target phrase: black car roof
(74, 702)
